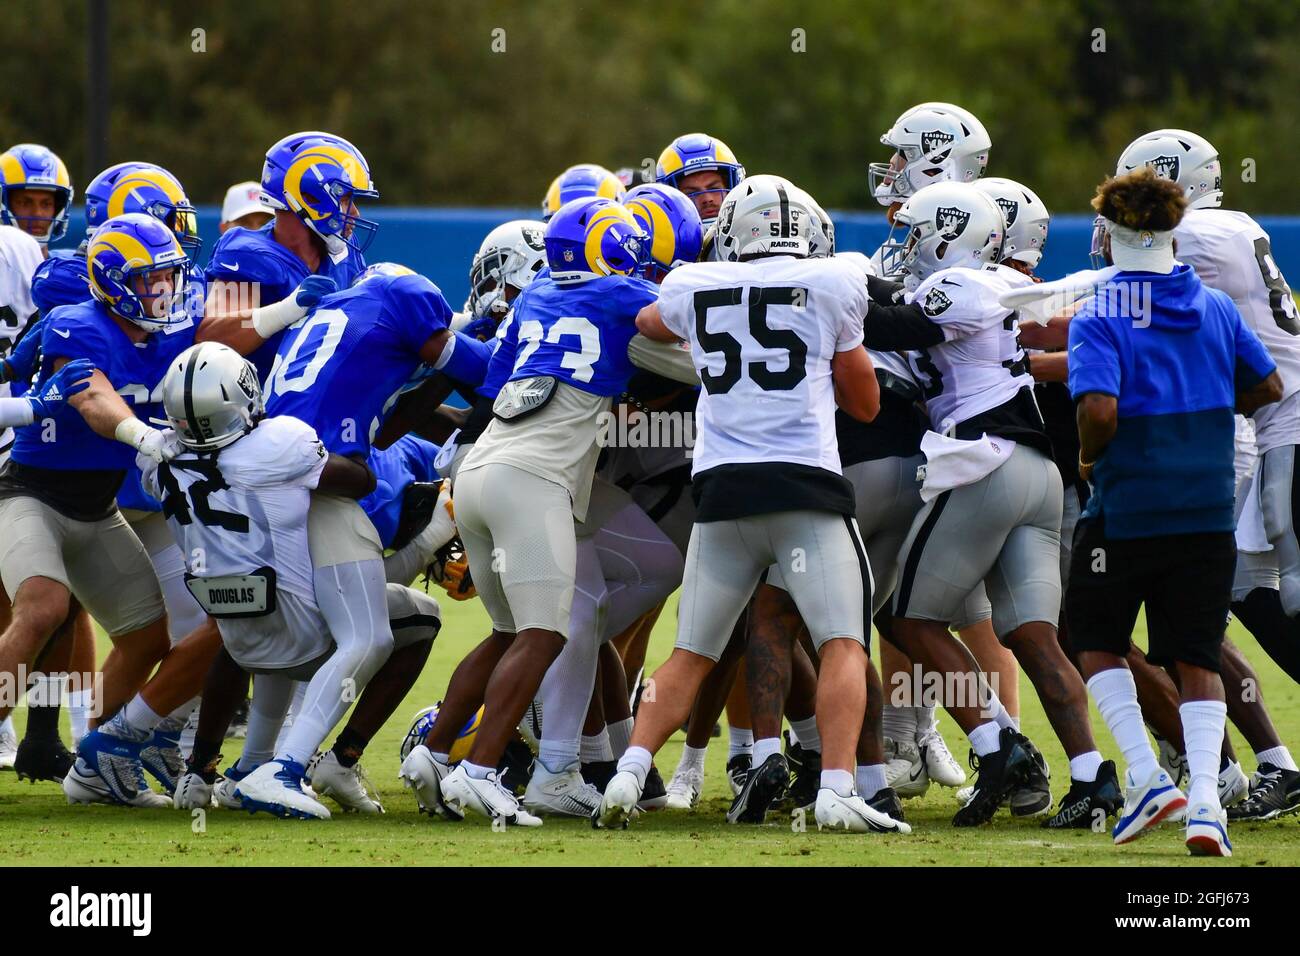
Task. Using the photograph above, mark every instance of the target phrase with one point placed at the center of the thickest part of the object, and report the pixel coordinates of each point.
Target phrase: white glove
(159, 445)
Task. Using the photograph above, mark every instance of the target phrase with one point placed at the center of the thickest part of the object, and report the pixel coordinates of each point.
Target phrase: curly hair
(1141, 200)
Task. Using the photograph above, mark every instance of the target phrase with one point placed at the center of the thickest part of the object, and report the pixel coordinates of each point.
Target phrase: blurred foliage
(445, 118)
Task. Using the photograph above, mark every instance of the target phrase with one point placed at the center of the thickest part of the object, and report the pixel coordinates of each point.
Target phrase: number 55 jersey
(762, 337)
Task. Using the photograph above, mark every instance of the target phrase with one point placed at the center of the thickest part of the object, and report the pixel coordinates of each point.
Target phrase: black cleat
(1034, 796)
(998, 774)
(1273, 793)
(1080, 807)
(654, 795)
(805, 774)
(516, 766)
(763, 786)
(737, 770)
(238, 728)
(886, 801)
(43, 760)
(599, 773)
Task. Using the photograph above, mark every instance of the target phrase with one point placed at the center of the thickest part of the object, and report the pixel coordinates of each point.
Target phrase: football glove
(73, 378)
(450, 571)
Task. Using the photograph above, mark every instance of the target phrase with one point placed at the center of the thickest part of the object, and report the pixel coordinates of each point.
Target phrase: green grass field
(37, 827)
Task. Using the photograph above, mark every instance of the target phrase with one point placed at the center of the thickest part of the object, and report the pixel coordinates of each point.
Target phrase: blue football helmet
(590, 238)
(586, 180)
(131, 247)
(673, 224)
(318, 176)
(143, 188)
(28, 166)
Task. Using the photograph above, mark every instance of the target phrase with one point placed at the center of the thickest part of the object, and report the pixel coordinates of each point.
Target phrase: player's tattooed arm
(651, 324)
(1263, 393)
(346, 477)
(857, 390)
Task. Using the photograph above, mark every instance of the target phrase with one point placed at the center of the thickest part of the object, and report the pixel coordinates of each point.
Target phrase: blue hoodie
(1174, 352)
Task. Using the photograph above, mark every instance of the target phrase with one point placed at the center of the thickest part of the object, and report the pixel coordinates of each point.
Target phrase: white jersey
(762, 336)
(980, 363)
(20, 254)
(1231, 253)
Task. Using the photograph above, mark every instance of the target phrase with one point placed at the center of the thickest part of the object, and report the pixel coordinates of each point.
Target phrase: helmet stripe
(785, 210)
(190, 417)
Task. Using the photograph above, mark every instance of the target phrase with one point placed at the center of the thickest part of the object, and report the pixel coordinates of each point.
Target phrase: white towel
(1251, 536)
(442, 461)
(952, 462)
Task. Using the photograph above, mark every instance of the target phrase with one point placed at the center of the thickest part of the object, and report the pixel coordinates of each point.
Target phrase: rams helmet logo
(951, 221)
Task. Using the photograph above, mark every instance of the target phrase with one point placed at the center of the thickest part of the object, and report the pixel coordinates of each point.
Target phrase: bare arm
(346, 477)
(1049, 366)
(100, 405)
(228, 317)
(856, 388)
(651, 324)
(1264, 393)
(1097, 416)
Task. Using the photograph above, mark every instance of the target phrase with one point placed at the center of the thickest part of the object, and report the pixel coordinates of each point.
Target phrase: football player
(702, 167)
(583, 181)
(35, 193)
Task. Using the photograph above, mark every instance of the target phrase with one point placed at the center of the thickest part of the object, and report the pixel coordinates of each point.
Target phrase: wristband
(131, 431)
(270, 319)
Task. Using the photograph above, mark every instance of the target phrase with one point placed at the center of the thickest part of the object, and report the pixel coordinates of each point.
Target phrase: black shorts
(1185, 580)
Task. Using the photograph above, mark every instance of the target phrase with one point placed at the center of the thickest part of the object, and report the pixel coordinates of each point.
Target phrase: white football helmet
(211, 396)
(764, 216)
(821, 238)
(1026, 217)
(1186, 158)
(511, 254)
(933, 142)
(948, 225)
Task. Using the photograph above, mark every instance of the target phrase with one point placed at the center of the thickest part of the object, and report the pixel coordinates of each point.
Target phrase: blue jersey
(579, 333)
(61, 280)
(342, 368)
(253, 255)
(407, 460)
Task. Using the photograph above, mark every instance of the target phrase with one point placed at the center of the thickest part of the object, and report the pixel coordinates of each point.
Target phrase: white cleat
(276, 787)
(685, 788)
(486, 797)
(530, 727)
(223, 793)
(1171, 761)
(193, 793)
(941, 766)
(1207, 830)
(563, 794)
(84, 785)
(346, 786)
(424, 774)
(905, 769)
(8, 748)
(965, 795)
(852, 814)
(1147, 805)
(1234, 785)
(618, 805)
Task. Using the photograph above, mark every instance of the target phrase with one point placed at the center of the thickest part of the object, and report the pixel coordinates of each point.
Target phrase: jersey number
(760, 373)
(582, 362)
(176, 504)
(1279, 293)
(318, 339)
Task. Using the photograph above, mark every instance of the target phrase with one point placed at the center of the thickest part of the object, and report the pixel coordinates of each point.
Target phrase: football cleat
(424, 774)
(805, 774)
(654, 795)
(276, 787)
(1080, 808)
(563, 794)
(486, 797)
(853, 814)
(193, 792)
(764, 785)
(530, 727)
(238, 728)
(1207, 831)
(8, 748)
(685, 788)
(905, 769)
(737, 769)
(886, 801)
(618, 803)
(599, 773)
(1274, 792)
(43, 760)
(1171, 761)
(1234, 785)
(1034, 796)
(346, 786)
(1147, 805)
(516, 766)
(941, 766)
(161, 757)
(998, 774)
(84, 784)
(224, 790)
(964, 795)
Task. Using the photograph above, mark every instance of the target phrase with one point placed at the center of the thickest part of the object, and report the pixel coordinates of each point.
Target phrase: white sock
(135, 721)
(692, 758)
(926, 722)
(597, 748)
(765, 748)
(440, 756)
(620, 735)
(558, 755)
(742, 742)
(840, 781)
(7, 726)
(1116, 697)
(1003, 718)
(1278, 757)
(898, 723)
(636, 761)
(79, 713)
(1084, 767)
(805, 734)
(1203, 724)
(984, 738)
(870, 779)
(476, 771)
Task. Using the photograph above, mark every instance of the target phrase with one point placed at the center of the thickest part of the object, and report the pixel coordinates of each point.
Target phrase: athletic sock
(636, 761)
(440, 756)
(926, 721)
(870, 779)
(1085, 766)
(805, 734)
(597, 748)
(79, 704)
(1117, 700)
(898, 723)
(692, 758)
(558, 755)
(840, 781)
(348, 747)
(136, 721)
(620, 735)
(7, 726)
(765, 748)
(476, 771)
(742, 742)
(984, 738)
(205, 754)
(1278, 756)
(1203, 725)
(43, 707)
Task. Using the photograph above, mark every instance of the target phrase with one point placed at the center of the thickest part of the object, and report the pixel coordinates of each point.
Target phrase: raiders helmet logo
(533, 237)
(1166, 167)
(935, 139)
(725, 216)
(951, 222)
(248, 380)
(936, 302)
(1010, 210)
